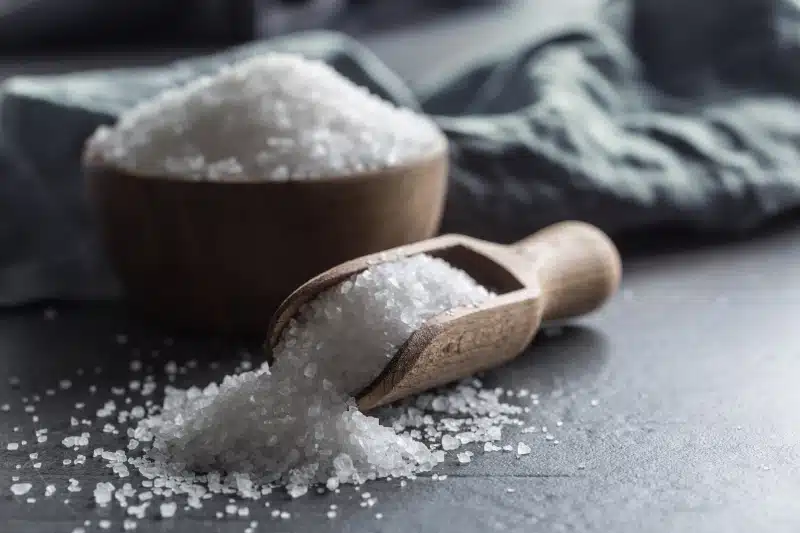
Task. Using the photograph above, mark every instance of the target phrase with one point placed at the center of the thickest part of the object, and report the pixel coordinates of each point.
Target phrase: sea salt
(167, 510)
(271, 117)
(103, 493)
(20, 489)
(295, 424)
(464, 457)
(286, 424)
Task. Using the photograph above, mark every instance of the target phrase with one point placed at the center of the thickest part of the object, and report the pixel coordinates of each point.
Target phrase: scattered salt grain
(523, 449)
(103, 493)
(168, 509)
(11, 446)
(49, 490)
(104, 524)
(450, 443)
(277, 117)
(129, 525)
(19, 489)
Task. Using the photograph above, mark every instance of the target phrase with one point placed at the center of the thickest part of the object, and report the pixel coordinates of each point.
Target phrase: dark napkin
(660, 114)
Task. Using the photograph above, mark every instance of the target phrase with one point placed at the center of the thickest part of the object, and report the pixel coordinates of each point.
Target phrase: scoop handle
(576, 266)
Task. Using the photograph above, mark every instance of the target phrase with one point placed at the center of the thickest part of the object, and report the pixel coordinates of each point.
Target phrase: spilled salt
(20, 489)
(297, 423)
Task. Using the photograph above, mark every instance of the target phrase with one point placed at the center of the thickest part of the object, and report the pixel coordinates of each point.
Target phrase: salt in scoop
(563, 271)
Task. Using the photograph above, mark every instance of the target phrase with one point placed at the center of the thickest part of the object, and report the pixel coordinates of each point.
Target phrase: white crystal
(271, 117)
(20, 489)
(168, 509)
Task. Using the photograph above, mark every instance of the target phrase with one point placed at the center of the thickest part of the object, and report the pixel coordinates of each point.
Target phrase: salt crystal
(129, 525)
(104, 524)
(11, 446)
(450, 443)
(5, 407)
(168, 509)
(523, 449)
(464, 458)
(103, 493)
(49, 490)
(331, 514)
(19, 489)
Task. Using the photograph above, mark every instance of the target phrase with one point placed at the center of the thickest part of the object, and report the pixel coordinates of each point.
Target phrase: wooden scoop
(563, 271)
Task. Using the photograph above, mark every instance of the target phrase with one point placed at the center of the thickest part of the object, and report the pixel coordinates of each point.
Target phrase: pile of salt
(297, 422)
(271, 117)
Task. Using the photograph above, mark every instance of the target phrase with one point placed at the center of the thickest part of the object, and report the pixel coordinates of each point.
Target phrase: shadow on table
(560, 357)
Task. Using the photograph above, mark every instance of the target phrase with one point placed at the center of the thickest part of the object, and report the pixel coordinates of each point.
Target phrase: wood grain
(221, 256)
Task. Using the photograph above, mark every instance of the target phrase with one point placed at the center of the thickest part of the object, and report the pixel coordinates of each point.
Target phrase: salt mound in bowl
(219, 198)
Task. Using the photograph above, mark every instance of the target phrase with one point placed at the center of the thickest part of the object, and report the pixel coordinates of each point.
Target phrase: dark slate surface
(694, 368)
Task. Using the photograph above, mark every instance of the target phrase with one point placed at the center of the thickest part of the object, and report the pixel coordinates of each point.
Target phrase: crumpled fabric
(660, 114)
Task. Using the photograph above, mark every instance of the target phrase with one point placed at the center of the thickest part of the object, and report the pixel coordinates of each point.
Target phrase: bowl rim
(95, 164)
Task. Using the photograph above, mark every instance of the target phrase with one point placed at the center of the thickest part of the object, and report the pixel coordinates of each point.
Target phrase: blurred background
(31, 26)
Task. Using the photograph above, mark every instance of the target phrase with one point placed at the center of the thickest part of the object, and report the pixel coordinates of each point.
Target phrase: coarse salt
(296, 422)
(270, 117)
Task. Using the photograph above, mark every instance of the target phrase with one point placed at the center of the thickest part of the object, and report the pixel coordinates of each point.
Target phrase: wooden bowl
(221, 256)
